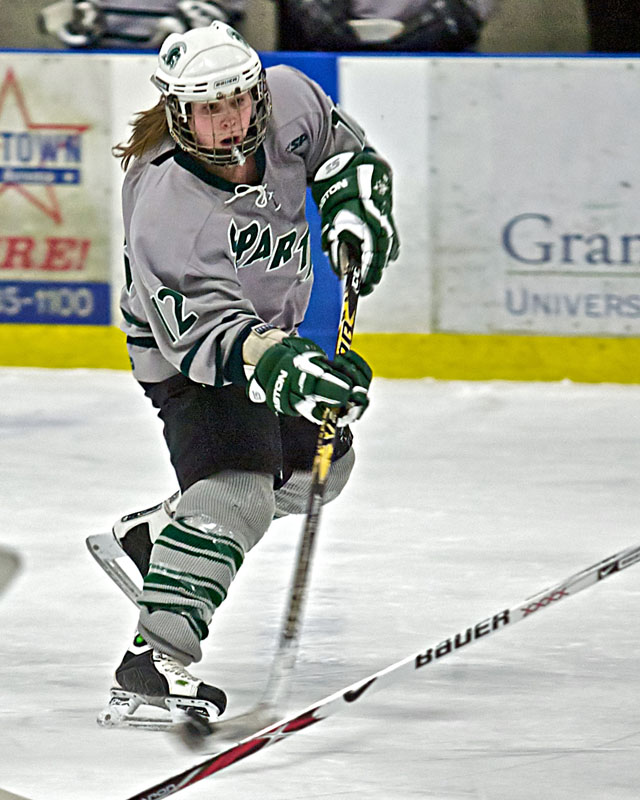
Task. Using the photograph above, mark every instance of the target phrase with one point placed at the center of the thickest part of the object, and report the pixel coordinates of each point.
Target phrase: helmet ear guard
(208, 65)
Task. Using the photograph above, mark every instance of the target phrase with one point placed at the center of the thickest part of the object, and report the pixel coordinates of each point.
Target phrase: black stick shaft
(350, 260)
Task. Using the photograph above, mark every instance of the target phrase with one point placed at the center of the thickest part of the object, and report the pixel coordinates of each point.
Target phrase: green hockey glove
(359, 372)
(353, 192)
(295, 377)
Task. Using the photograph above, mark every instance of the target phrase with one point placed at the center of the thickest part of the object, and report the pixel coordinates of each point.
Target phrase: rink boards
(516, 186)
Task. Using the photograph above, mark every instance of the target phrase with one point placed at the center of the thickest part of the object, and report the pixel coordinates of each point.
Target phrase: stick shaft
(287, 644)
(323, 455)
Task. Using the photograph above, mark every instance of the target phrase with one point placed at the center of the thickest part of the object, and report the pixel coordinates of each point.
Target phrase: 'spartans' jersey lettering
(305, 267)
(255, 243)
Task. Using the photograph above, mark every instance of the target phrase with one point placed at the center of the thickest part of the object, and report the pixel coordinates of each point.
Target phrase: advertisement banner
(55, 185)
(535, 196)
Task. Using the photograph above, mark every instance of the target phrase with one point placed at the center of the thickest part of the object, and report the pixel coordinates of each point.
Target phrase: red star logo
(49, 205)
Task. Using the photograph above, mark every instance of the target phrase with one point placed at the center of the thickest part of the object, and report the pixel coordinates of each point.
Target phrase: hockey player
(218, 277)
(400, 25)
(139, 24)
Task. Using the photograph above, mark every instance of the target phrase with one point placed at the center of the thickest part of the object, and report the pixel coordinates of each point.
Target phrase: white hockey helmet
(208, 65)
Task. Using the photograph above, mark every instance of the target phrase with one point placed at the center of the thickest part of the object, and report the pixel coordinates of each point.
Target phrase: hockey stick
(345, 698)
(266, 710)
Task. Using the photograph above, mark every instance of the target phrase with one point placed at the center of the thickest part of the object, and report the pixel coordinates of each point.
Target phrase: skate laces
(174, 667)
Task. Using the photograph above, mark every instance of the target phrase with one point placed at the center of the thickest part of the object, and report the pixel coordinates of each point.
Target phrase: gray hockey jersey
(207, 260)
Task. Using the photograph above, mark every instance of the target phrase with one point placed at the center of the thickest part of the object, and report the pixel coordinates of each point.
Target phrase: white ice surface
(466, 498)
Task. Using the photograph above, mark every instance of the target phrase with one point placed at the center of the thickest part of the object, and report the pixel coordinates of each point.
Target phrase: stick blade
(9, 567)
(4, 795)
(232, 730)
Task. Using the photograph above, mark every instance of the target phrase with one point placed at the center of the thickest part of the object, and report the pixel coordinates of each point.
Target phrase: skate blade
(106, 550)
(191, 714)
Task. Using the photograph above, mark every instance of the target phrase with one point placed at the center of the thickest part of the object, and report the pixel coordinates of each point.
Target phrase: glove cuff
(259, 340)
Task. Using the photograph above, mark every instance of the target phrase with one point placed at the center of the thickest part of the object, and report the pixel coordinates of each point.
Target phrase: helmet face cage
(180, 115)
(209, 72)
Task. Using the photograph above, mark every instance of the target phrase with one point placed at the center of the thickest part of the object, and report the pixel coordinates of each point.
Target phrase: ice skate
(125, 552)
(167, 695)
(136, 533)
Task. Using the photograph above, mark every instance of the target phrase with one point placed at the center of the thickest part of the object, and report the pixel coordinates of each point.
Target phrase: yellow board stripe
(63, 346)
(448, 356)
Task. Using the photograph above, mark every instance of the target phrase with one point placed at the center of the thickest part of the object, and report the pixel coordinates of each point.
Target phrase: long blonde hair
(150, 127)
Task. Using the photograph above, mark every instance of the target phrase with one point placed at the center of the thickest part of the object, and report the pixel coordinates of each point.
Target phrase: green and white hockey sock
(196, 557)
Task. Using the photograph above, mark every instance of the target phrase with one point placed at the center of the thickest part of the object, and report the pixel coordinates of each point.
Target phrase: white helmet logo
(233, 33)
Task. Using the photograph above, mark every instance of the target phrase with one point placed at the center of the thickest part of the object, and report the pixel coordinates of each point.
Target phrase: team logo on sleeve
(256, 243)
(297, 143)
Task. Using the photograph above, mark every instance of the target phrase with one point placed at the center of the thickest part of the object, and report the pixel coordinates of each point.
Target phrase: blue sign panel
(37, 302)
